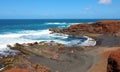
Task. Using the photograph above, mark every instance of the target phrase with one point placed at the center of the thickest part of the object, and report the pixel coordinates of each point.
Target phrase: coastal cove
(28, 31)
(59, 36)
(60, 46)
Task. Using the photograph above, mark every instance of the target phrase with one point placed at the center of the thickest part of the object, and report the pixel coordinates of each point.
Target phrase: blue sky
(59, 9)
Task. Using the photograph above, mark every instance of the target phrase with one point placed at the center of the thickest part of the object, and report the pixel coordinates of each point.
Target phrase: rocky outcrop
(101, 27)
(45, 49)
(21, 63)
(57, 57)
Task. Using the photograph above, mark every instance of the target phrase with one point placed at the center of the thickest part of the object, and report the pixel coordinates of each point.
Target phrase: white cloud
(105, 1)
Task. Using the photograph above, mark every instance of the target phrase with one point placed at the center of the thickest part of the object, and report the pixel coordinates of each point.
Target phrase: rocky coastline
(100, 31)
(55, 57)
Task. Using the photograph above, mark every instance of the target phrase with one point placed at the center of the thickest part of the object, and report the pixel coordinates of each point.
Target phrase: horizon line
(62, 18)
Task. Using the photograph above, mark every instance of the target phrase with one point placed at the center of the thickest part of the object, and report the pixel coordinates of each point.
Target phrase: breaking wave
(56, 23)
(29, 36)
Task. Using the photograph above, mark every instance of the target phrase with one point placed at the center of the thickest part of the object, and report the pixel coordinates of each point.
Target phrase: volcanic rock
(114, 61)
(101, 27)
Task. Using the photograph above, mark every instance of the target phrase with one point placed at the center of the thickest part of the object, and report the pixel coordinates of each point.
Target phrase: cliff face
(102, 27)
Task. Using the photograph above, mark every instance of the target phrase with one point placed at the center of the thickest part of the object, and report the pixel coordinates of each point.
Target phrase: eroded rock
(114, 61)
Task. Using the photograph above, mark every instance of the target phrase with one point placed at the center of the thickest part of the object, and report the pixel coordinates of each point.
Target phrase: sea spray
(28, 31)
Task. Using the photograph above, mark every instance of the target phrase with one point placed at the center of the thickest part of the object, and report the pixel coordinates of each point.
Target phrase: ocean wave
(90, 22)
(56, 23)
(41, 35)
(24, 33)
(30, 36)
(75, 23)
(12, 38)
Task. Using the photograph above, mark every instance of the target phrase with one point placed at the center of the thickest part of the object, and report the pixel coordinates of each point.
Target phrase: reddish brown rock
(102, 27)
(114, 61)
(17, 70)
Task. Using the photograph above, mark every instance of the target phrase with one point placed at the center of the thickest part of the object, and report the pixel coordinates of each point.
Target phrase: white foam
(18, 38)
(90, 22)
(88, 42)
(58, 35)
(56, 23)
(73, 24)
(23, 33)
(75, 42)
(1, 69)
(29, 36)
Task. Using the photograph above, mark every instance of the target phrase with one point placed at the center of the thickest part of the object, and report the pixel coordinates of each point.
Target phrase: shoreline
(88, 42)
(57, 57)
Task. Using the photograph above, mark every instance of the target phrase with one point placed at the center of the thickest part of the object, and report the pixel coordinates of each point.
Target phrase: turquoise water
(31, 30)
(37, 24)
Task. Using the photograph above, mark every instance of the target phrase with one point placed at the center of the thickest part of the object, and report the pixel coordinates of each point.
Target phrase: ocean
(35, 30)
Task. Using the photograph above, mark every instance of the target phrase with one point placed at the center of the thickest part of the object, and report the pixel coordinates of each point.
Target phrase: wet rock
(36, 43)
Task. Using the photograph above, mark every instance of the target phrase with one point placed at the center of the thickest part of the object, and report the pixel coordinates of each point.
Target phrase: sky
(59, 9)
